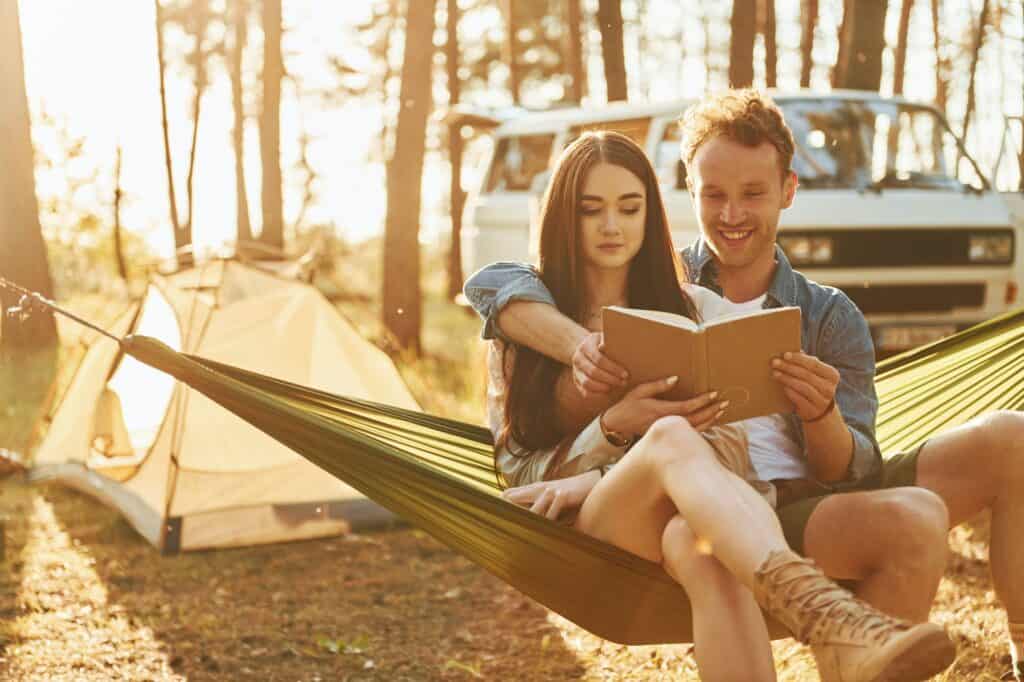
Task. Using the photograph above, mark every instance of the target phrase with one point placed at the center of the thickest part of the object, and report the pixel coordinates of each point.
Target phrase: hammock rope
(438, 473)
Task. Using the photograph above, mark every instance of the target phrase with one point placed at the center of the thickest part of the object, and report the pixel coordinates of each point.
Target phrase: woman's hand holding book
(641, 407)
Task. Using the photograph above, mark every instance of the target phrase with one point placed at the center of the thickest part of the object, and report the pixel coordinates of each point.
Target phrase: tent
(185, 472)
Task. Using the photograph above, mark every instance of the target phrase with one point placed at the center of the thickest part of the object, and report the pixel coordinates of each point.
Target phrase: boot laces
(831, 612)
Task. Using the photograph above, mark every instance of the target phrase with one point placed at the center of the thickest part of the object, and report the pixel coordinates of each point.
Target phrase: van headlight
(804, 250)
(989, 248)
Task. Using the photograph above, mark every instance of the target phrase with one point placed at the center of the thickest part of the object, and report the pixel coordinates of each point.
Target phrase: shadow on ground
(389, 606)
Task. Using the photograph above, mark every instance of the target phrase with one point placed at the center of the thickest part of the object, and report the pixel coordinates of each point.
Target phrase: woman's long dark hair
(655, 275)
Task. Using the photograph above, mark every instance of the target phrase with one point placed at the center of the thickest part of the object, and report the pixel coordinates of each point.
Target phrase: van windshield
(875, 145)
(518, 161)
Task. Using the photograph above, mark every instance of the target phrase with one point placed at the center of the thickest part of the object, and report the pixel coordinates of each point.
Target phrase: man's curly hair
(745, 116)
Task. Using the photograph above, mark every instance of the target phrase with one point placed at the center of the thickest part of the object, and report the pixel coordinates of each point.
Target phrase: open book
(731, 354)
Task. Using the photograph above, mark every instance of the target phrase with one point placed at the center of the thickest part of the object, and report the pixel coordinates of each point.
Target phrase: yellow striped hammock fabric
(438, 473)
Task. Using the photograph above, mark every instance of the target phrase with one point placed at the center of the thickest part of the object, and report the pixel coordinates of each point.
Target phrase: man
(887, 527)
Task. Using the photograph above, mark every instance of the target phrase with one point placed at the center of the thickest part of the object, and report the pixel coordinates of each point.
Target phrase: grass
(31, 381)
(25, 381)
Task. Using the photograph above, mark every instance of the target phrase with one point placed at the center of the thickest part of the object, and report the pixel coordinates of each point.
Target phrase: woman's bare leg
(729, 632)
(673, 466)
(674, 470)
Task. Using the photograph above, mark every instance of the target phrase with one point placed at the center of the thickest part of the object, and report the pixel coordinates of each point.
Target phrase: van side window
(633, 128)
(517, 161)
(667, 162)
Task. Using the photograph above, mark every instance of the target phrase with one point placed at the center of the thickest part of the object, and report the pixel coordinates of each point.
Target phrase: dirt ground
(85, 598)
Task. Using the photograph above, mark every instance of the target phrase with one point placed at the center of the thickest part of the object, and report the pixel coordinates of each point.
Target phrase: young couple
(664, 480)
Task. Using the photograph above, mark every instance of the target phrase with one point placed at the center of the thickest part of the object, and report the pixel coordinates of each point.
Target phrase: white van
(1008, 170)
(891, 208)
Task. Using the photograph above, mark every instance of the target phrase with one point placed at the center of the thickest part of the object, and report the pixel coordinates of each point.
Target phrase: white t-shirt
(774, 449)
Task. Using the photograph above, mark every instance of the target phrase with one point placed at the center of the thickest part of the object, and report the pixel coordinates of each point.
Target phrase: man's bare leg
(979, 466)
(892, 541)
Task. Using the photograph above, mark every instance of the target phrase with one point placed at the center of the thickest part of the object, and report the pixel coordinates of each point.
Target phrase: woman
(605, 241)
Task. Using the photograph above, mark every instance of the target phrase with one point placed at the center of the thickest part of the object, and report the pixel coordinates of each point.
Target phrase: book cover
(731, 355)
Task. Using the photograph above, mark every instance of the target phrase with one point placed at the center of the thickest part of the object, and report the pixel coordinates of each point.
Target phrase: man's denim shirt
(833, 330)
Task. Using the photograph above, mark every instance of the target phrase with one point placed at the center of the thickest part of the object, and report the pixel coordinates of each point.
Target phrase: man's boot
(852, 641)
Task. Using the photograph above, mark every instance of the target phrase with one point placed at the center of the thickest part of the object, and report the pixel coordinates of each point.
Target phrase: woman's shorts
(897, 471)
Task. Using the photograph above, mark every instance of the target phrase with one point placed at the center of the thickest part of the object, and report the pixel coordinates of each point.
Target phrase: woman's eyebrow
(629, 195)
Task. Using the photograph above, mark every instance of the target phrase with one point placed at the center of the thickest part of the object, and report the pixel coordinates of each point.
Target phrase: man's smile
(736, 236)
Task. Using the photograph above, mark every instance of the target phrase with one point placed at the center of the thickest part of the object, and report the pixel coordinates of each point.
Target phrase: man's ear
(789, 185)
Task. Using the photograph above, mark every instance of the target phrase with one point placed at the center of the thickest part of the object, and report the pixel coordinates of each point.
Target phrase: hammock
(438, 473)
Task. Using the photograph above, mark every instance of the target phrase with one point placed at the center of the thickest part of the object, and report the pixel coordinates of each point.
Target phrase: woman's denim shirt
(833, 330)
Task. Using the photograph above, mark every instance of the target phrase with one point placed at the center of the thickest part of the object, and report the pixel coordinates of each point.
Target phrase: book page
(651, 349)
(739, 354)
(728, 317)
(659, 315)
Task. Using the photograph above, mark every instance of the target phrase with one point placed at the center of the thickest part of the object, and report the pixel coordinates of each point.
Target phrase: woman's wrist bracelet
(828, 410)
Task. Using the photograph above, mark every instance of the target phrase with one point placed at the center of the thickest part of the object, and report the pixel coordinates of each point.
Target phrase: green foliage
(25, 380)
(448, 378)
(470, 668)
(359, 645)
(76, 198)
(540, 60)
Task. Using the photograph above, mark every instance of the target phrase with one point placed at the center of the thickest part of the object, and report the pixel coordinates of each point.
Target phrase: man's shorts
(897, 471)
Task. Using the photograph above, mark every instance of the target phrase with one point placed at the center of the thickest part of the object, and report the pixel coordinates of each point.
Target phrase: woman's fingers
(711, 413)
(541, 504)
(652, 388)
(697, 403)
(702, 426)
(523, 494)
(557, 504)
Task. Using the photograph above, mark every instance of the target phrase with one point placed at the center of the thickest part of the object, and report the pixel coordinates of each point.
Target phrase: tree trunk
(705, 21)
(864, 65)
(901, 47)
(239, 10)
(400, 297)
(456, 194)
(975, 54)
(386, 146)
(270, 127)
(184, 259)
(809, 21)
(22, 249)
(509, 47)
(941, 72)
(771, 51)
(574, 49)
(202, 14)
(609, 19)
(122, 269)
(846, 27)
(741, 43)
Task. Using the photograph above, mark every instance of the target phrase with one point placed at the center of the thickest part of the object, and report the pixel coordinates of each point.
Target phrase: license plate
(899, 338)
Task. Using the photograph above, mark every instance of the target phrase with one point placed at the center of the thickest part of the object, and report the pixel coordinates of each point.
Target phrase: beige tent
(185, 472)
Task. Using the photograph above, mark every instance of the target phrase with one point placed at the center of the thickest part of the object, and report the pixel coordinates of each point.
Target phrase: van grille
(873, 248)
(916, 298)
